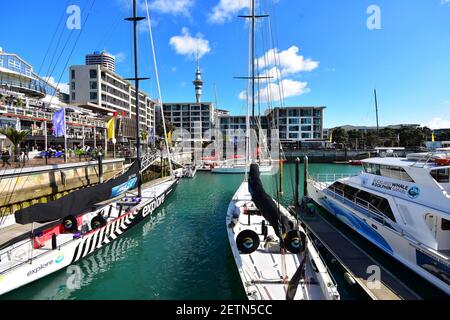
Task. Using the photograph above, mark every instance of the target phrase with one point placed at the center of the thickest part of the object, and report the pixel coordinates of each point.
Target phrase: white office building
(98, 88)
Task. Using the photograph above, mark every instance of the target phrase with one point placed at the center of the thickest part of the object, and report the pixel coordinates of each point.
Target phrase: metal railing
(49, 116)
(428, 157)
(329, 177)
(368, 209)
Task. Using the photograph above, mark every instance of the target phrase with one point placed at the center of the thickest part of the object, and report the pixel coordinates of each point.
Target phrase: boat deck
(356, 262)
(17, 230)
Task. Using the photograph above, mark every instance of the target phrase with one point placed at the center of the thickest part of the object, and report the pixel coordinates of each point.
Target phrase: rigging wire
(159, 88)
(63, 14)
(51, 69)
(74, 46)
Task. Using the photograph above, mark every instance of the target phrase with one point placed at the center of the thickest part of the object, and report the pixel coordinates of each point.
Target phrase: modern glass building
(17, 75)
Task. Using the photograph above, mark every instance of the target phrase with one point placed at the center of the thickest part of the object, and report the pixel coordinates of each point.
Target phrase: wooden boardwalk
(357, 262)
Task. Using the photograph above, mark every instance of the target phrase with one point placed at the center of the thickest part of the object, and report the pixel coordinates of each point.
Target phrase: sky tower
(198, 82)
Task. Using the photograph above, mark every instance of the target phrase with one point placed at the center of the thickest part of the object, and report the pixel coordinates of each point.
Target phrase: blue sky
(328, 54)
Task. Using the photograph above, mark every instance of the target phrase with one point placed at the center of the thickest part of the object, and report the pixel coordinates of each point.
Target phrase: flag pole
(65, 137)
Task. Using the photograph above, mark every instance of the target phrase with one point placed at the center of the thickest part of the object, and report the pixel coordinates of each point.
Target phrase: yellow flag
(432, 137)
(169, 137)
(111, 128)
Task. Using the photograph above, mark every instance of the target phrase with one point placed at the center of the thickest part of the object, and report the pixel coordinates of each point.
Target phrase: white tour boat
(402, 205)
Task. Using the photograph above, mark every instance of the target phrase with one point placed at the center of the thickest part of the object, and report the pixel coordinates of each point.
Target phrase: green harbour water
(180, 253)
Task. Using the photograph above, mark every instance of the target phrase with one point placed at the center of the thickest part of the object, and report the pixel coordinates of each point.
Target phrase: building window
(294, 121)
(93, 95)
(1, 62)
(306, 128)
(93, 85)
(306, 135)
(293, 128)
(306, 113)
(93, 74)
(293, 135)
(73, 96)
(306, 121)
(73, 85)
(72, 74)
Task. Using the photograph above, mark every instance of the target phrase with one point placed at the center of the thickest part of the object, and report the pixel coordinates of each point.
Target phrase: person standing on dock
(5, 157)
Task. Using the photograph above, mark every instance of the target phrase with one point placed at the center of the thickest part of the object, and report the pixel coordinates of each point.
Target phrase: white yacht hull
(265, 275)
(429, 264)
(241, 169)
(21, 265)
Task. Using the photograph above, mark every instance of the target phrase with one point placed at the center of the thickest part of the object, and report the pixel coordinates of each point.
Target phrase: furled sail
(79, 201)
(265, 203)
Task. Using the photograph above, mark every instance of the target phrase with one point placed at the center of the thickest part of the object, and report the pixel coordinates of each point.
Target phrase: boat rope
(159, 89)
(74, 46)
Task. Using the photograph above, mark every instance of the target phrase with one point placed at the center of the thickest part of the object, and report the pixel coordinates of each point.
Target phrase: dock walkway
(357, 262)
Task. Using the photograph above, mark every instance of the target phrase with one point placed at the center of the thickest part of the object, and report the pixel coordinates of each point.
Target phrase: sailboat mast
(376, 110)
(135, 19)
(253, 60)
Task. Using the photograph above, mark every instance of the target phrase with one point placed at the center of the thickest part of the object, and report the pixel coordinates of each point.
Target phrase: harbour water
(181, 253)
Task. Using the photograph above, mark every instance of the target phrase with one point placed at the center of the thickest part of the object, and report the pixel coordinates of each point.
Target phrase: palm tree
(16, 137)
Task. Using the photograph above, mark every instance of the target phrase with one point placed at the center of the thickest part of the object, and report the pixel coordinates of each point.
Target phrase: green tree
(340, 136)
(354, 138)
(144, 136)
(388, 136)
(160, 129)
(16, 137)
(414, 137)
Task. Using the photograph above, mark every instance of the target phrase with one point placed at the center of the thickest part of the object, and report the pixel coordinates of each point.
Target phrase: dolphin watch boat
(83, 221)
(402, 205)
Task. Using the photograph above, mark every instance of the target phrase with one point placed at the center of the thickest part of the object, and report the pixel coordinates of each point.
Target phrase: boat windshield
(441, 175)
(387, 171)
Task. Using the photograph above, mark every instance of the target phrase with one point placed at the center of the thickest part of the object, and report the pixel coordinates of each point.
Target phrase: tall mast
(135, 19)
(253, 61)
(376, 110)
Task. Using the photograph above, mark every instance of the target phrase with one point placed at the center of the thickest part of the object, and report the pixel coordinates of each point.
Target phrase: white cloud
(438, 123)
(174, 7)
(120, 57)
(187, 45)
(289, 60)
(444, 2)
(226, 9)
(63, 87)
(290, 88)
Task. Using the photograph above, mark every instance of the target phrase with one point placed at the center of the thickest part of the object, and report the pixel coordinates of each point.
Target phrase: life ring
(97, 222)
(247, 241)
(442, 161)
(70, 224)
(295, 241)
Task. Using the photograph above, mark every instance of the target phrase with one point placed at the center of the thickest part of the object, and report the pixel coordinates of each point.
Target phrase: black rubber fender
(295, 241)
(97, 222)
(247, 241)
(70, 224)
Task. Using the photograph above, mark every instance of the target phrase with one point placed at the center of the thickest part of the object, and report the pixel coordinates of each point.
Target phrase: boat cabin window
(364, 198)
(387, 171)
(441, 175)
(445, 225)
